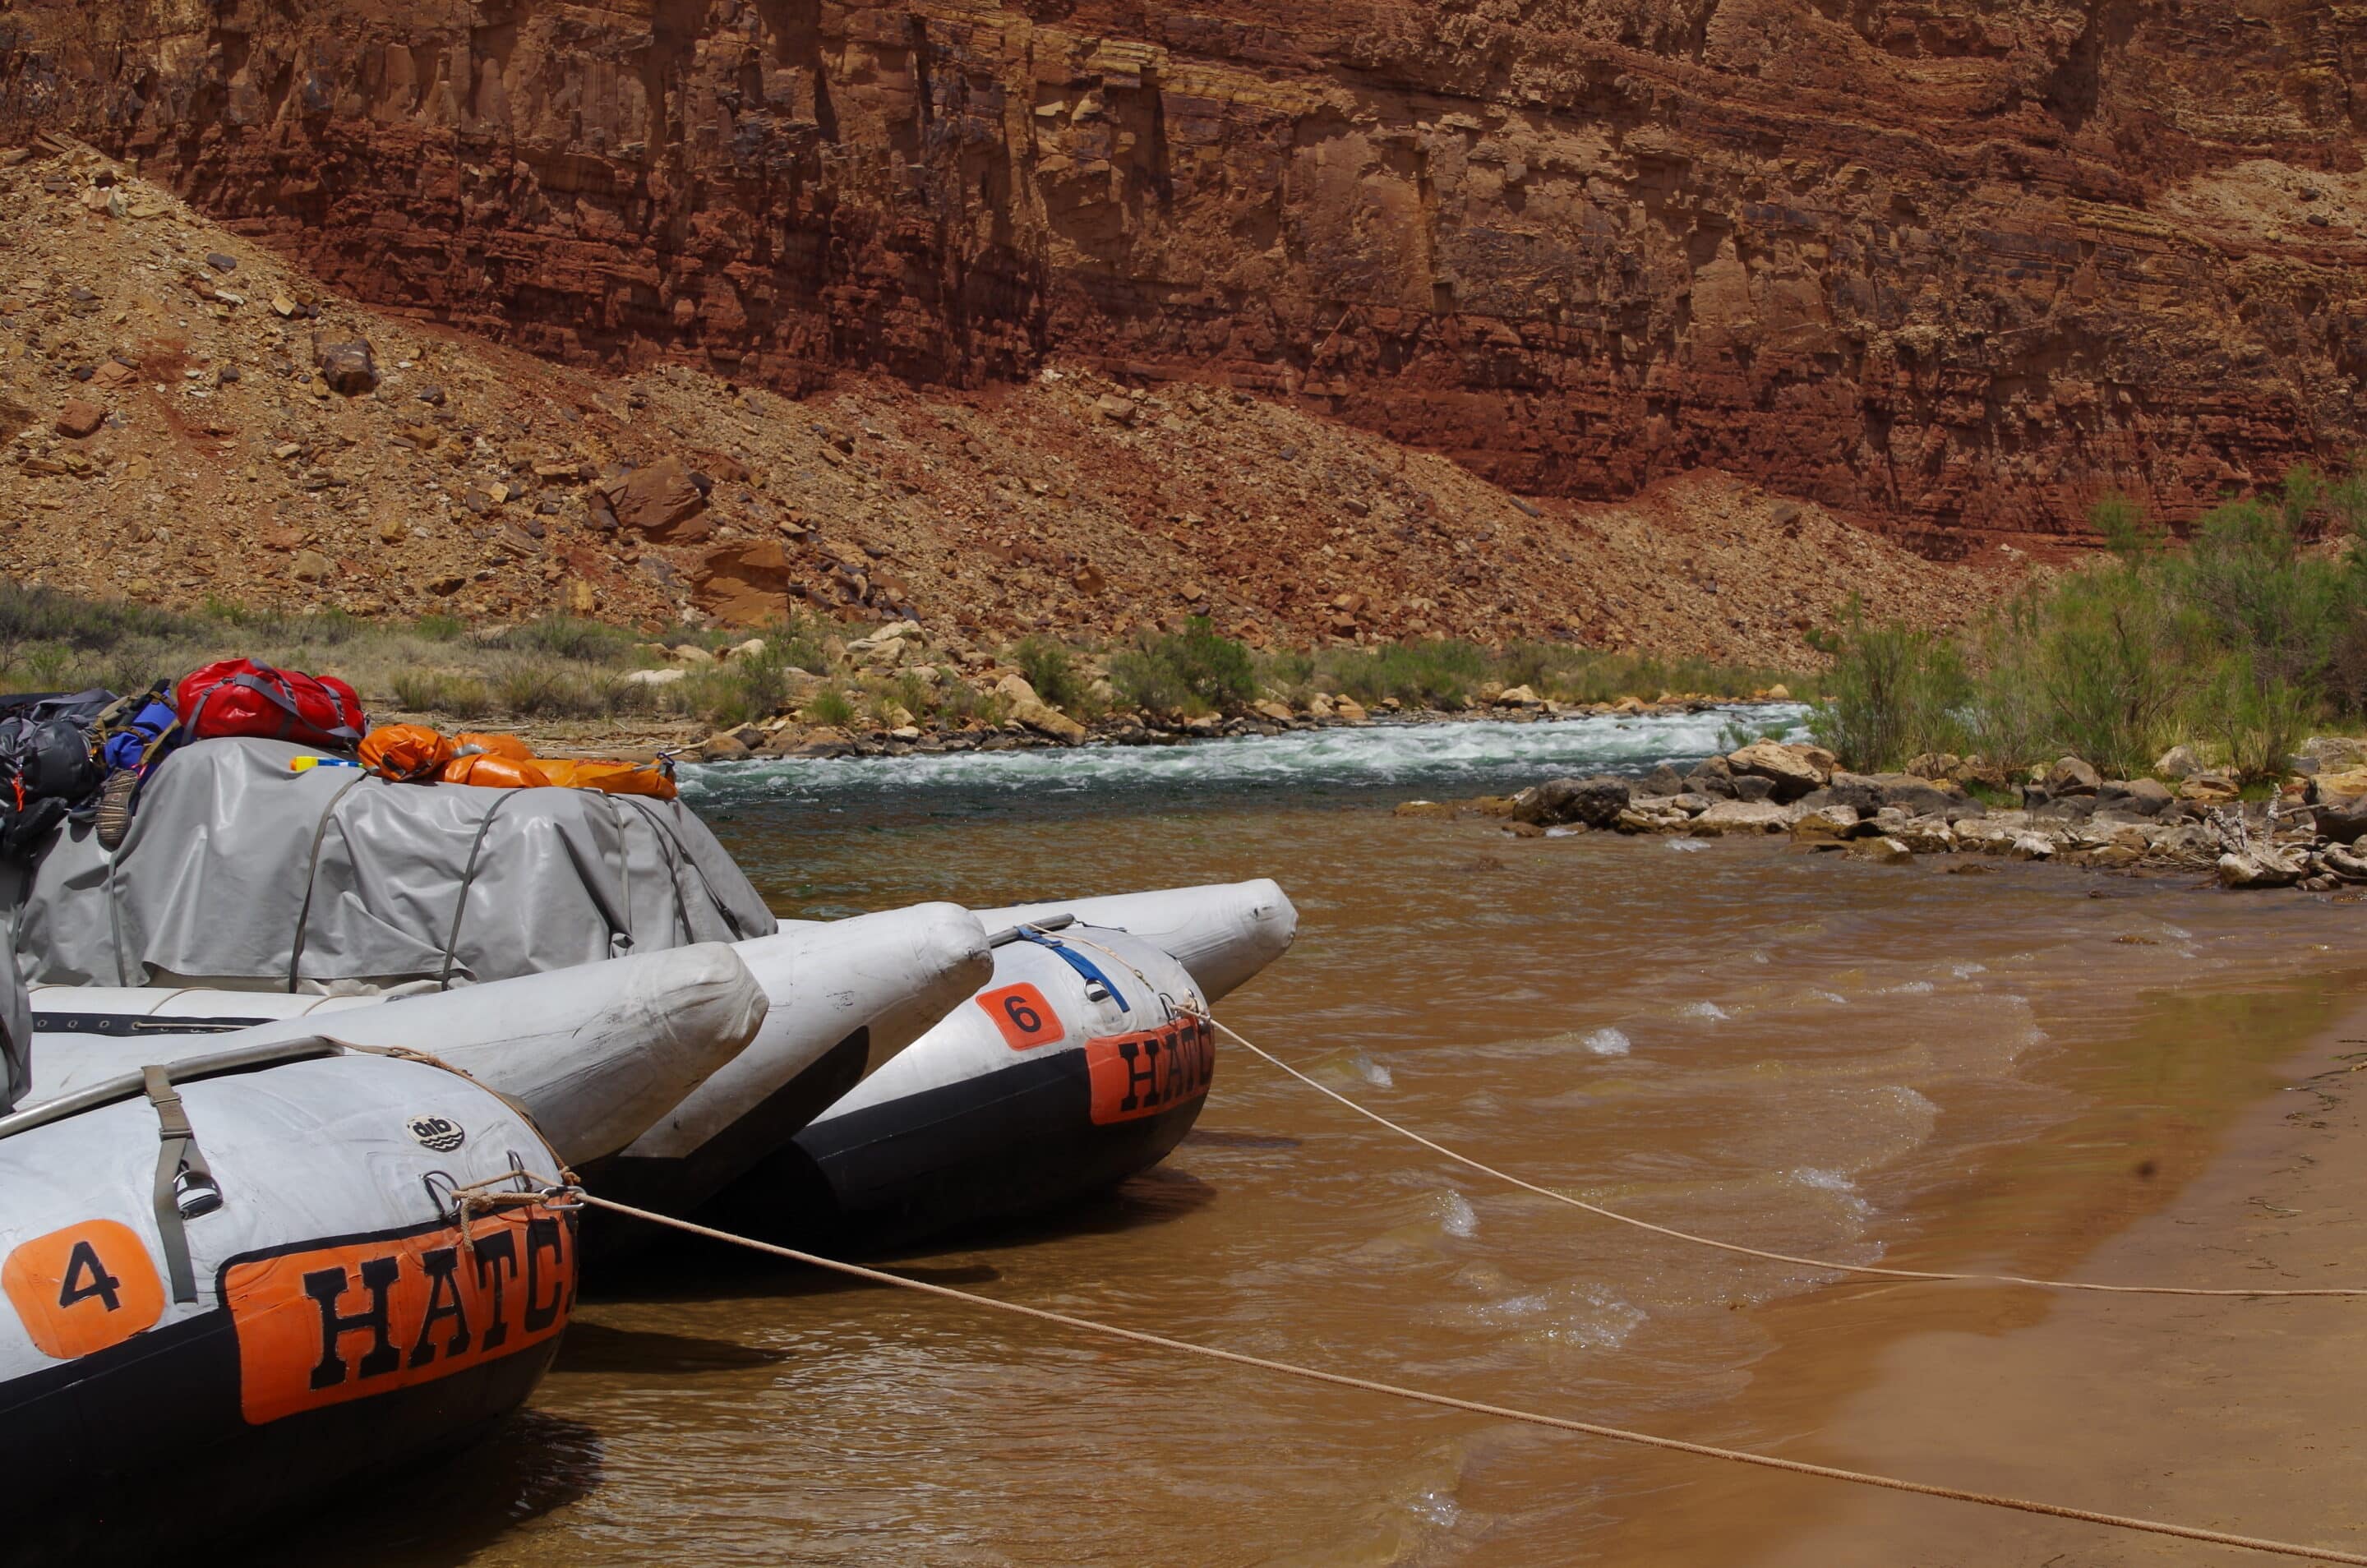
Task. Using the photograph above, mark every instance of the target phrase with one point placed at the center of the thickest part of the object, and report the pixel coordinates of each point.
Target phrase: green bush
(830, 707)
(30, 616)
(434, 692)
(2237, 644)
(1213, 667)
(548, 688)
(1149, 683)
(1048, 668)
(1419, 674)
(1893, 692)
(1196, 671)
(571, 637)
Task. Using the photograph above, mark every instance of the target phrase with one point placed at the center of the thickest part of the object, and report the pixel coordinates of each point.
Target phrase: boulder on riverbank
(1589, 803)
(2125, 825)
(1793, 771)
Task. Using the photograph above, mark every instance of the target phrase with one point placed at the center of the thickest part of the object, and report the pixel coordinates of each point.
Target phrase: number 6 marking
(1023, 1015)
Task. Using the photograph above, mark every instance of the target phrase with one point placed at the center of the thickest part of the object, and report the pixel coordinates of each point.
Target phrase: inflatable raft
(1083, 1060)
(838, 998)
(1223, 933)
(247, 1278)
(847, 997)
(595, 1055)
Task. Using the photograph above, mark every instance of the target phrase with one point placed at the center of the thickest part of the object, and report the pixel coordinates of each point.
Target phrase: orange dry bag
(495, 745)
(404, 751)
(494, 773)
(610, 778)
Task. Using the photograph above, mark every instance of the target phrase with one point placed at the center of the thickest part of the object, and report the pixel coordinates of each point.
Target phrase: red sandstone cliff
(1954, 266)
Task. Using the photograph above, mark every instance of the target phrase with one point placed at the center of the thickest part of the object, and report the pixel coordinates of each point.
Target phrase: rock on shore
(2069, 813)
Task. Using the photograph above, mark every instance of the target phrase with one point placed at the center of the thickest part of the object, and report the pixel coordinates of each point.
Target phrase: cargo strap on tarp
(468, 880)
(1076, 961)
(311, 875)
(177, 1153)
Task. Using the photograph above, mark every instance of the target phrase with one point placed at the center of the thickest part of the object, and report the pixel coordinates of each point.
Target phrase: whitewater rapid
(1468, 756)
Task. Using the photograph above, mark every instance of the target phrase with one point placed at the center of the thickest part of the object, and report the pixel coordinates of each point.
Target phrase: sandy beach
(2235, 1414)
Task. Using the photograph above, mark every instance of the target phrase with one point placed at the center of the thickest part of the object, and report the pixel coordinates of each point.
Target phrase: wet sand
(2241, 1415)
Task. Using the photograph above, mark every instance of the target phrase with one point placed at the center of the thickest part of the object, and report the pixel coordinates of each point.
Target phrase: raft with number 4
(597, 1056)
(666, 1074)
(243, 1281)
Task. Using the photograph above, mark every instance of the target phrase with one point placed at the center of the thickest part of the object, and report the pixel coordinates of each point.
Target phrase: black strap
(311, 870)
(677, 854)
(177, 1151)
(468, 876)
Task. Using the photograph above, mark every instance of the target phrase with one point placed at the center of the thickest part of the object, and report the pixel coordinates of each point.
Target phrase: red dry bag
(239, 696)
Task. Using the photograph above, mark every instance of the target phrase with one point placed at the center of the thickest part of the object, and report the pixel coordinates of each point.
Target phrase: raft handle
(126, 1086)
(1028, 932)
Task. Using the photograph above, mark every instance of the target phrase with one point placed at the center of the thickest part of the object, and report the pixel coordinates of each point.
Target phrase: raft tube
(1082, 1062)
(1223, 932)
(596, 1054)
(305, 1315)
(847, 997)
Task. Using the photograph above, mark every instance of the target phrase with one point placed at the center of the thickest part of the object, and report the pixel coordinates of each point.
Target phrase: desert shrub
(1420, 674)
(1051, 669)
(1198, 669)
(1893, 691)
(437, 692)
(2238, 643)
(31, 615)
(830, 707)
(532, 687)
(963, 702)
(571, 638)
(1150, 682)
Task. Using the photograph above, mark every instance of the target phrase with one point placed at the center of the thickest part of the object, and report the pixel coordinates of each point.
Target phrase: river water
(1798, 1051)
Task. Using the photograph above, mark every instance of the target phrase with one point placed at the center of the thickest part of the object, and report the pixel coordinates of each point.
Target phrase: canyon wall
(1951, 266)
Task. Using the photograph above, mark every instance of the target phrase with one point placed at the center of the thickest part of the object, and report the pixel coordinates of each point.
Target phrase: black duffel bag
(49, 764)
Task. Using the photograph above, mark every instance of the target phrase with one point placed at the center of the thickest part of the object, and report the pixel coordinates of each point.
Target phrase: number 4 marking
(87, 1277)
(83, 1288)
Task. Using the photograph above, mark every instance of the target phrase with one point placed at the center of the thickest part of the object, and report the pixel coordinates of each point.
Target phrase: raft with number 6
(1085, 1059)
(243, 1281)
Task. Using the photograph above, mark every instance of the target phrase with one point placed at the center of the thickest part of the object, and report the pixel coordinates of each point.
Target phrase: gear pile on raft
(308, 1025)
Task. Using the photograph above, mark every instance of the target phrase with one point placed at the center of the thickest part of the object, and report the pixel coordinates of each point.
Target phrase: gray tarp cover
(221, 872)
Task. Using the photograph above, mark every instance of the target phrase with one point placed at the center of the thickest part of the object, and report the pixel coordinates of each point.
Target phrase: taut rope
(1473, 1407)
(1925, 1275)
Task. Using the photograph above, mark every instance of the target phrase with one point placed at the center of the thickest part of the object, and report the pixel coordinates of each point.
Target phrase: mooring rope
(1472, 1407)
(1921, 1275)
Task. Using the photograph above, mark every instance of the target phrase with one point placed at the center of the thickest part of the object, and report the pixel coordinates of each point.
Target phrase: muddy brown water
(1994, 1071)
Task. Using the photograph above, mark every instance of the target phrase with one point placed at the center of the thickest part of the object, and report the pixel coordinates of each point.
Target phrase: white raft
(595, 1055)
(838, 998)
(1083, 1060)
(274, 1300)
(1223, 933)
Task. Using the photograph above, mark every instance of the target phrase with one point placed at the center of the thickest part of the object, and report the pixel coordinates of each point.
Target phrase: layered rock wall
(1955, 266)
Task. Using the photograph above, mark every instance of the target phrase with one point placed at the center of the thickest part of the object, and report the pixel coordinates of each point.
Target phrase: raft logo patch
(438, 1133)
(1144, 1074)
(84, 1287)
(1025, 1019)
(346, 1320)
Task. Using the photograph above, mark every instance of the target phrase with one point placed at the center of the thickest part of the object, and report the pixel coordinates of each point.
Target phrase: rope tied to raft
(1917, 1276)
(492, 1195)
(575, 1195)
